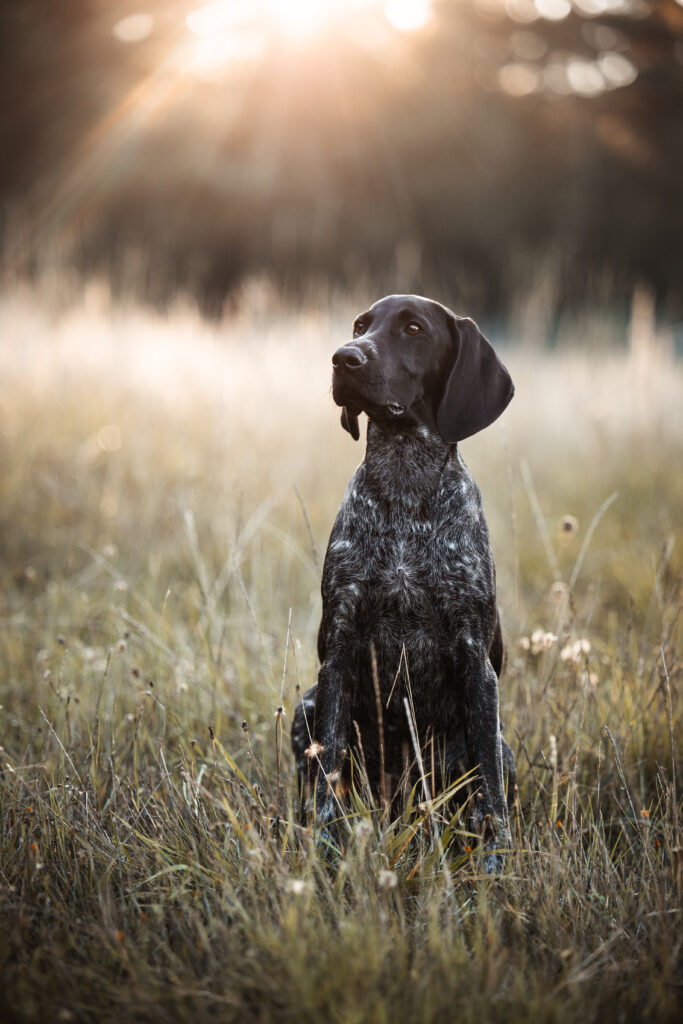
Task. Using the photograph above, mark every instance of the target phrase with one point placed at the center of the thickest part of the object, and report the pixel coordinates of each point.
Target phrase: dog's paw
(496, 839)
(494, 850)
(325, 830)
(326, 844)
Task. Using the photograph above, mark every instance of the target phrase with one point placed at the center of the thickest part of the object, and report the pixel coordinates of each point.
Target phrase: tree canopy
(179, 146)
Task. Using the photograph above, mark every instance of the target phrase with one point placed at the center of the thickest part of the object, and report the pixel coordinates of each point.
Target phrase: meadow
(167, 487)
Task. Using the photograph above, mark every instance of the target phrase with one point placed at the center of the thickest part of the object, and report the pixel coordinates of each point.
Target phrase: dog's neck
(403, 466)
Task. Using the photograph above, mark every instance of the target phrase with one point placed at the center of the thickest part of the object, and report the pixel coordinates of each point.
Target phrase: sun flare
(221, 26)
(408, 15)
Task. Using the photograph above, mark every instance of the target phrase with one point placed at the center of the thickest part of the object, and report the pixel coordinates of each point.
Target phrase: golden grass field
(166, 492)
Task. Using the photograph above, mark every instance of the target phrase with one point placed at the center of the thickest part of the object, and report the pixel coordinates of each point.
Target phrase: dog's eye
(414, 328)
(358, 328)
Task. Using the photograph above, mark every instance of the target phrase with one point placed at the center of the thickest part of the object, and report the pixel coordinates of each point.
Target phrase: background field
(195, 198)
(166, 492)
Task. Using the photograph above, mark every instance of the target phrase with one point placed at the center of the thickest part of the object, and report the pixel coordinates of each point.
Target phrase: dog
(410, 642)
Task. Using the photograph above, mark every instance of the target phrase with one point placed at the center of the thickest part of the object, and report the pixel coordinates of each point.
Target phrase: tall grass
(166, 491)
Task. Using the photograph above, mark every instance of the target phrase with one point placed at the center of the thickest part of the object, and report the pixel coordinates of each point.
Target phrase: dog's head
(414, 361)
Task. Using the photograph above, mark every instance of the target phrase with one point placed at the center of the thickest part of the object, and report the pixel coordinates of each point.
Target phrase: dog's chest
(412, 566)
(407, 574)
(400, 565)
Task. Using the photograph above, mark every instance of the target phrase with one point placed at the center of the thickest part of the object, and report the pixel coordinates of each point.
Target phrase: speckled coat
(409, 630)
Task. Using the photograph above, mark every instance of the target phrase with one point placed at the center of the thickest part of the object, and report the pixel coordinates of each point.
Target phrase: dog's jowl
(410, 644)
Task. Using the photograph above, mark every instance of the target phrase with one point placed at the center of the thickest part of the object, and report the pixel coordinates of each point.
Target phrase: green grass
(165, 494)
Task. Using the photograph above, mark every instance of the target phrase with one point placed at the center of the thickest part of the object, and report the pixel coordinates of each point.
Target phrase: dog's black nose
(350, 357)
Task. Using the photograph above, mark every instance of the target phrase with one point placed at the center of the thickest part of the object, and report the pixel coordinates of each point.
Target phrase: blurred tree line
(495, 145)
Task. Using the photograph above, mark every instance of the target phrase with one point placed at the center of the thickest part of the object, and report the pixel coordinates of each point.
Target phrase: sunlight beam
(408, 15)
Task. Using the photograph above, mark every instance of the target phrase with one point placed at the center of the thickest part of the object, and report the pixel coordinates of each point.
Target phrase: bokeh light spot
(603, 37)
(555, 77)
(585, 77)
(617, 69)
(134, 28)
(519, 79)
(553, 10)
(408, 15)
(528, 45)
(109, 437)
(592, 8)
(523, 11)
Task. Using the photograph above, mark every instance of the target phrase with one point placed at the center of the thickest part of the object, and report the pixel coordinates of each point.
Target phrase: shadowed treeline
(179, 148)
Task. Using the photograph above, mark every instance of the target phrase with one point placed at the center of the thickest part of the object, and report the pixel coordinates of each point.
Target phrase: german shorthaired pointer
(410, 642)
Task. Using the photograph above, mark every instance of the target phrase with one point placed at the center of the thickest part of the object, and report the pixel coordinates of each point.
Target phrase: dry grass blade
(152, 866)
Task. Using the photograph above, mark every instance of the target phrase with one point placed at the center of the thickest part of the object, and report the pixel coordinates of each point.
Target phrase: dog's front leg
(484, 748)
(331, 737)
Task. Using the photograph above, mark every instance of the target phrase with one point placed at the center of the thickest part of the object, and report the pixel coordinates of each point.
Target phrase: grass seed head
(541, 640)
(364, 829)
(298, 887)
(569, 526)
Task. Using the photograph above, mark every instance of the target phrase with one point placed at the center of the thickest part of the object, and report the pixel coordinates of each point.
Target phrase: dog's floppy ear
(350, 422)
(478, 387)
